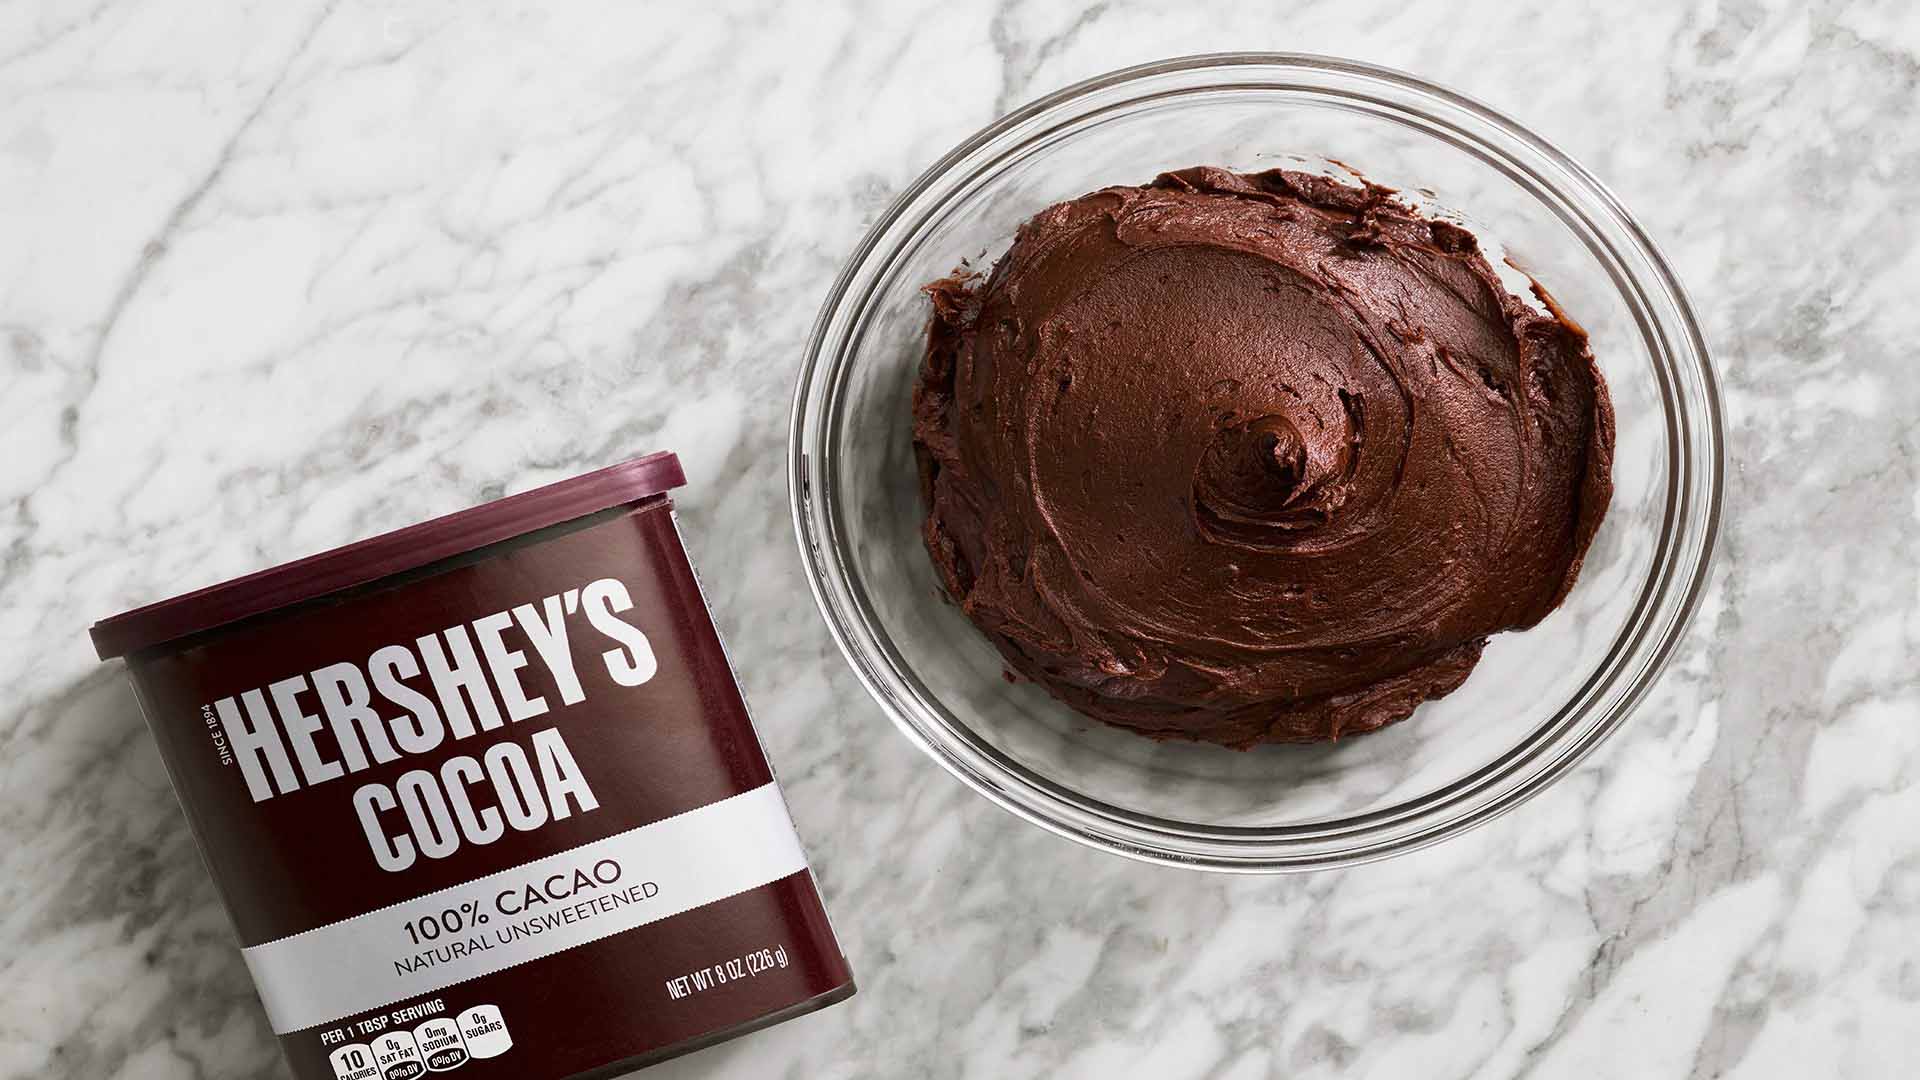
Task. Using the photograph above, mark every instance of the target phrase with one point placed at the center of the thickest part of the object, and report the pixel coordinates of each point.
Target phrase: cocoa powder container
(482, 796)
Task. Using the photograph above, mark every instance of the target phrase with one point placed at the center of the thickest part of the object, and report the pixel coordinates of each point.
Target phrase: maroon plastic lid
(389, 553)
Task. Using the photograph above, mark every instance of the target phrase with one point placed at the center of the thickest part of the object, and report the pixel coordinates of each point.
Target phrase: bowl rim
(1552, 748)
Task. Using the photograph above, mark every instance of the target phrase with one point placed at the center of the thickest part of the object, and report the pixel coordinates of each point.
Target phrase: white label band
(537, 909)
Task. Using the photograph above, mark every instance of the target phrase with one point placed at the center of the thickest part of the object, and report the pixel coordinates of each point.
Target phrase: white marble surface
(277, 275)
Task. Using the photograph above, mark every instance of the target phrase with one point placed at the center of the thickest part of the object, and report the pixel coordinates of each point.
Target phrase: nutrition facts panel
(439, 1045)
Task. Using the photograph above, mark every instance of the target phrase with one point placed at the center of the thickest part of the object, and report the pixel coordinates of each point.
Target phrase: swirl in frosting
(1253, 458)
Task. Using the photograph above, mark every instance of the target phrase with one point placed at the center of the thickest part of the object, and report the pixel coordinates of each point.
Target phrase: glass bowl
(1539, 701)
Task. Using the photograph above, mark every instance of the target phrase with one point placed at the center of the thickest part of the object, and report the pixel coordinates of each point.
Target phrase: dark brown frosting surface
(1249, 458)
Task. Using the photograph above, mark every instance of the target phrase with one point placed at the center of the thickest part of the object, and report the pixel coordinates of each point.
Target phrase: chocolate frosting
(1253, 458)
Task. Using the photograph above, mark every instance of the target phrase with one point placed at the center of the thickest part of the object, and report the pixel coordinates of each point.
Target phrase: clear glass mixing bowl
(1540, 699)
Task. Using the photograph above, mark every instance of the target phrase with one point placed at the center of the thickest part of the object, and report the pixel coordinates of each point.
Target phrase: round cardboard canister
(482, 793)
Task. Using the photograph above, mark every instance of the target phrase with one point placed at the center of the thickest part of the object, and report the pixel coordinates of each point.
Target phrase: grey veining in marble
(275, 276)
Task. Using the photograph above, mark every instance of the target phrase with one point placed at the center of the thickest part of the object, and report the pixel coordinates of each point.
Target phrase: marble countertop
(275, 276)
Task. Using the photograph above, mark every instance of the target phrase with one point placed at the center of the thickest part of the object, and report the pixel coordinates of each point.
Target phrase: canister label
(504, 817)
(534, 910)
